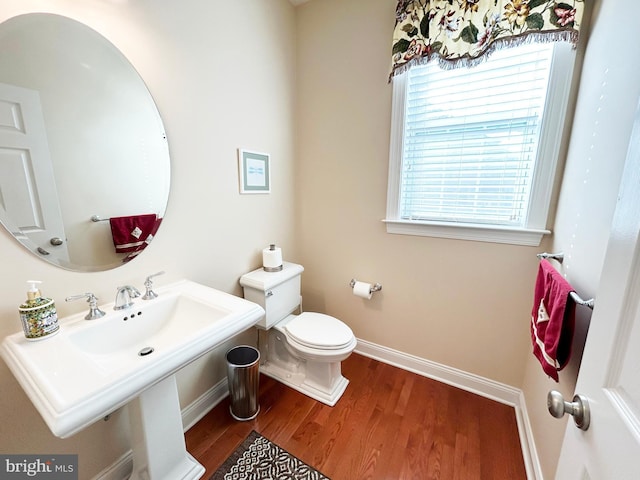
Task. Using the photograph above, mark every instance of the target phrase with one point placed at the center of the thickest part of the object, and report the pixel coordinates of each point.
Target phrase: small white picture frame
(254, 171)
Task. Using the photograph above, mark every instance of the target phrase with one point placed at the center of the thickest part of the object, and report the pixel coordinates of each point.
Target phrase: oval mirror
(84, 160)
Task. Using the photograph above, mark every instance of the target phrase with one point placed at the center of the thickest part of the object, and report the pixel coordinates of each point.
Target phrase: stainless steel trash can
(243, 363)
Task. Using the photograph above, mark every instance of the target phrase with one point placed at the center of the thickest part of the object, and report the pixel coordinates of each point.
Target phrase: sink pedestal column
(159, 449)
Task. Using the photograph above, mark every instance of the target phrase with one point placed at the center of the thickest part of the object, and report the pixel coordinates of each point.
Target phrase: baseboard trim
(451, 376)
(469, 382)
(529, 452)
(119, 469)
(194, 412)
(484, 387)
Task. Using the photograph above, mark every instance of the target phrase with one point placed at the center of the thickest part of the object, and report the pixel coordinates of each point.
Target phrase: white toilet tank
(277, 292)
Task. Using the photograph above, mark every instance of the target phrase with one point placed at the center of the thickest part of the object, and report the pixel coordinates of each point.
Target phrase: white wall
(222, 74)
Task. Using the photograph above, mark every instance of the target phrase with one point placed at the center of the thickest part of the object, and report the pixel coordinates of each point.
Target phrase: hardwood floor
(389, 424)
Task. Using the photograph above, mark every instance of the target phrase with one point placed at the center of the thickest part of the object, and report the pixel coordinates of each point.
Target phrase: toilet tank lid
(261, 280)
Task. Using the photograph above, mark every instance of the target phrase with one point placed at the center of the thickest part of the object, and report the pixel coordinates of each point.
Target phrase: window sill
(468, 231)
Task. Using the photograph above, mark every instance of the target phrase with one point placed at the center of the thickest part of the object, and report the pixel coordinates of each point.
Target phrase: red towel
(552, 320)
(130, 234)
(146, 242)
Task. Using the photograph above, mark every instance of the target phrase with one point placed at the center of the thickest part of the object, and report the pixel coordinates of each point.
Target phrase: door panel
(610, 370)
(28, 192)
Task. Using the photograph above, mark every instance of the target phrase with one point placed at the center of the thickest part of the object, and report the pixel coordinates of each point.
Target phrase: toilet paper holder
(374, 288)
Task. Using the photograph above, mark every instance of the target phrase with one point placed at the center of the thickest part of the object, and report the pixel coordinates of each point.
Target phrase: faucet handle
(92, 300)
(150, 294)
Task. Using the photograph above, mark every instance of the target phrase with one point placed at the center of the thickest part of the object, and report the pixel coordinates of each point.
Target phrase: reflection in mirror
(80, 137)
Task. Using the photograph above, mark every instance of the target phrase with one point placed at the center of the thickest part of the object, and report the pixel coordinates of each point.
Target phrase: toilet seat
(319, 331)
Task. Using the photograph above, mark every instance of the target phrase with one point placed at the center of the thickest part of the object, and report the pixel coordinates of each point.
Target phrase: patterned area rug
(260, 459)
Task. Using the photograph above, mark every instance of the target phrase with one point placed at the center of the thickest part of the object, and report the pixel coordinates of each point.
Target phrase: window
(474, 150)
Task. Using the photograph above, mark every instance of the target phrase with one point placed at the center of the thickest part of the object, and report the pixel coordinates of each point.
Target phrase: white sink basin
(165, 321)
(92, 367)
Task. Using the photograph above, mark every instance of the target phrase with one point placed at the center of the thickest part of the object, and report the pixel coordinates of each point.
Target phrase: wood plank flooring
(389, 424)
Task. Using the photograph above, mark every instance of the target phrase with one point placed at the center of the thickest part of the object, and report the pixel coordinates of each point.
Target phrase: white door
(610, 370)
(28, 196)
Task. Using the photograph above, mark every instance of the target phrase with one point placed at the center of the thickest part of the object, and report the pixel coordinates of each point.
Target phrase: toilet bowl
(302, 351)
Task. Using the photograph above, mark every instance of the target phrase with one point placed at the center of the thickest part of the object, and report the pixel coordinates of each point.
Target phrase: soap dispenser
(38, 314)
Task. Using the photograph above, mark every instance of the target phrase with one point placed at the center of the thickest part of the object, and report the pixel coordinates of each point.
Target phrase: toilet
(303, 351)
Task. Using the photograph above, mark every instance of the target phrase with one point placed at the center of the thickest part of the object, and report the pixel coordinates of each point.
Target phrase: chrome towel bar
(579, 301)
(556, 256)
(576, 298)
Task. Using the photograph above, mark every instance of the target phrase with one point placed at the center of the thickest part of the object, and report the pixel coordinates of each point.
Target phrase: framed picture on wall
(255, 172)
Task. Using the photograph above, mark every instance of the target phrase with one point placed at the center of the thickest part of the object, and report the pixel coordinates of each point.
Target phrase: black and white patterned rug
(260, 459)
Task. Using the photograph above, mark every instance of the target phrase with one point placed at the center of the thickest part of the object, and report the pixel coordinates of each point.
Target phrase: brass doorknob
(578, 408)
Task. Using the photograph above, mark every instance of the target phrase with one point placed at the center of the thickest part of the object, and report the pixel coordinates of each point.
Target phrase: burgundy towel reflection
(133, 233)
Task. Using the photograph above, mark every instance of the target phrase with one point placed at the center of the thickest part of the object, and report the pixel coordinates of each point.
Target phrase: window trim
(551, 134)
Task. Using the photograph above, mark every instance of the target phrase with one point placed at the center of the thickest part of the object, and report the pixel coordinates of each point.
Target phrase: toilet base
(298, 381)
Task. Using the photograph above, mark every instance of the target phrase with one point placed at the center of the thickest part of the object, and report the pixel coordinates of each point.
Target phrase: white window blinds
(471, 138)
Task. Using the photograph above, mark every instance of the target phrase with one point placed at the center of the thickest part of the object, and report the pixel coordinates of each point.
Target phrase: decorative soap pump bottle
(38, 314)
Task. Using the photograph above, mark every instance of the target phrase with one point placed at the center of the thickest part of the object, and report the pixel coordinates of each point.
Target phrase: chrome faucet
(94, 311)
(148, 283)
(124, 296)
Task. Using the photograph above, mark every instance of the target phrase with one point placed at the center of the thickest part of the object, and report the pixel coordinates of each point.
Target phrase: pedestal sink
(92, 367)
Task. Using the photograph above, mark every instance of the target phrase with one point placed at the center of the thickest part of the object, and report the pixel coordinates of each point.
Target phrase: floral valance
(461, 32)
